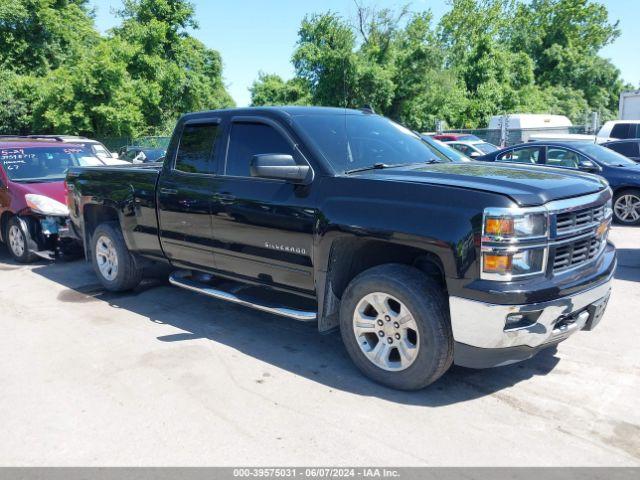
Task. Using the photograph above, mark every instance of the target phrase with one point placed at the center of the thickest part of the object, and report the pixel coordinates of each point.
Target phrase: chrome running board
(182, 279)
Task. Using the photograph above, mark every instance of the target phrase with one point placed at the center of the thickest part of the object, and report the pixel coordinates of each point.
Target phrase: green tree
(270, 89)
(179, 72)
(39, 35)
(94, 96)
(563, 38)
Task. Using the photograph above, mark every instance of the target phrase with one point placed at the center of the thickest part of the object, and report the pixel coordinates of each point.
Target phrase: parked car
(443, 151)
(473, 149)
(33, 210)
(628, 148)
(622, 174)
(142, 154)
(618, 130)
(97, 148)
(344, 218)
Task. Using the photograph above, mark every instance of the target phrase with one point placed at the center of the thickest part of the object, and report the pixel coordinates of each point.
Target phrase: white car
(473, 148)
(618, 130)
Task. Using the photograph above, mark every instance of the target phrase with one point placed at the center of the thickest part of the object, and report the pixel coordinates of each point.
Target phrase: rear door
(262, 228)
(185, 189)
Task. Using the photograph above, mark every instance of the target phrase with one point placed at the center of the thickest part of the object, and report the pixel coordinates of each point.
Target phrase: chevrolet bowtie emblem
(601, 231)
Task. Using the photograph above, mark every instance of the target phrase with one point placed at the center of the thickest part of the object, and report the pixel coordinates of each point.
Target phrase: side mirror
(279, 167)
(115, 155)
(588, 166)
(475, 154)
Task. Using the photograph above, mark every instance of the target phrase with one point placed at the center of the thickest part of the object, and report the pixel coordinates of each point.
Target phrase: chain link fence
(115, 144)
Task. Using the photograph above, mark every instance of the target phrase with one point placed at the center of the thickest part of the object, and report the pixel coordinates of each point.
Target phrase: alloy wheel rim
(16, 241)
(107, 258)
(386, 332)
(627, 208)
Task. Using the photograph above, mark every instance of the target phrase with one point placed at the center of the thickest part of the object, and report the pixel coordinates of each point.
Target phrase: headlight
(503, 224)
(514, 243)
(45, 205)
(498, 264)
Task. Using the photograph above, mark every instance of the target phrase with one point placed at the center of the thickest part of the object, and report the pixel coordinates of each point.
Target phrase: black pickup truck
(347, 219)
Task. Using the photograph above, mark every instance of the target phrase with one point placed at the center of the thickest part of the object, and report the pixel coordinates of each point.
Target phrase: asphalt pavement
(162, 376)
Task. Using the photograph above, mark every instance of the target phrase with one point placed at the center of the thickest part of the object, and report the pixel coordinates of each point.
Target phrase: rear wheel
(395, 326)
(113, 263)
(18, 240)
(626, 207)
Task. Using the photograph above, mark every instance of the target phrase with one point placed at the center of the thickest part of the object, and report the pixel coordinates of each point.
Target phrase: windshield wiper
(375, 166)
(380, 166)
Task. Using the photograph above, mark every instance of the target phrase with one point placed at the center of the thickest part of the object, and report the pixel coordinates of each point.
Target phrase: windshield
(350, 142)
(486, 147)
(44, 163)
(451, 153)
(603, 154)
(101, 151)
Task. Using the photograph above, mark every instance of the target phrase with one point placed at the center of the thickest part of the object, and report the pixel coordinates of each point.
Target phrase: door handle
(168, 191)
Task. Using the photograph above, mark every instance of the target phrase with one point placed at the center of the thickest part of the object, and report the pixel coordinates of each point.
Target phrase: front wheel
(113, 263)
(626, 207)
(395, 326)
(18, 240)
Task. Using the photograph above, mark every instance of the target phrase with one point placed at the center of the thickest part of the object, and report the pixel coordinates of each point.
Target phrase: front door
(185, 189)
(263, 229)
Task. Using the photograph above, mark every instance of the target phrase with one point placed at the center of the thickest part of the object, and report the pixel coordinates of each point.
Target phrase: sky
(259, 36)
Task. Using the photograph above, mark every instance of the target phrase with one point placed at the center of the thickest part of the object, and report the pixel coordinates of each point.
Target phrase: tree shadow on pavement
(286, 344)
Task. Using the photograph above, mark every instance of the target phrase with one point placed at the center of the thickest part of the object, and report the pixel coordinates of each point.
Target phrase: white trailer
(630, 105)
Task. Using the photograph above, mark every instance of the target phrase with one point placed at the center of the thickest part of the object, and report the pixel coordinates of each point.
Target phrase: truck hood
(54, 190)
(527, 186)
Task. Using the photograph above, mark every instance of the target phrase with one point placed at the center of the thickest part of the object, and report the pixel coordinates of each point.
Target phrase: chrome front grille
(574, 254)
(570, 222)
(577, 236)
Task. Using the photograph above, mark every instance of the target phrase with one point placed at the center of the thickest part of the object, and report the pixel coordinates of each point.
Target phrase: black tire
(26, 256)
(128, 275)
(427, 303)
(617, 197)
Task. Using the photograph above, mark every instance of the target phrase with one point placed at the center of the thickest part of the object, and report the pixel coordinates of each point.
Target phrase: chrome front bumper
(477, 325)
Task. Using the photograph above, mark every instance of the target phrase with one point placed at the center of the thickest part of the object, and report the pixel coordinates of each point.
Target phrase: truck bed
(129, 191)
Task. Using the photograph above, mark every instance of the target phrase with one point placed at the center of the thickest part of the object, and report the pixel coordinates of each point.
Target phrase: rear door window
(622, 130)
(250, 139)
(529, 155)
(195, 152)
(628, 149)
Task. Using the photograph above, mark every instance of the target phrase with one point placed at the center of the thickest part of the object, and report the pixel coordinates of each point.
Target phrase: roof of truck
(291, 110)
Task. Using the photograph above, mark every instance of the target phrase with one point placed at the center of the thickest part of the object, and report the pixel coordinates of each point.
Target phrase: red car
(33, 210)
